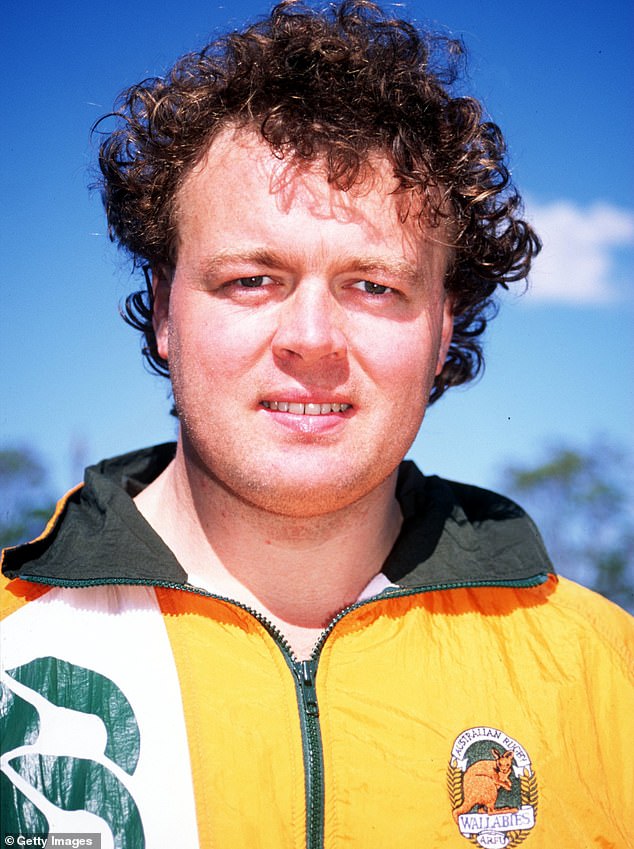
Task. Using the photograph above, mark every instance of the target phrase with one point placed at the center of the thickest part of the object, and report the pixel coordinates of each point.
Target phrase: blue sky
(556, 76)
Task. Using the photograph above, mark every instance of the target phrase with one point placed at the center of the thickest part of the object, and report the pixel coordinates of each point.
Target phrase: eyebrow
(400, 269)
(397, 268)
(259, 256)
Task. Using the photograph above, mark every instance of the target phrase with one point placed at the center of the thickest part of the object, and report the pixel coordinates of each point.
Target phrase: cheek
(208, 345)
(404, 359)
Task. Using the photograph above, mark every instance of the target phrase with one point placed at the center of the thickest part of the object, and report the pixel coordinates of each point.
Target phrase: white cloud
(577, 263)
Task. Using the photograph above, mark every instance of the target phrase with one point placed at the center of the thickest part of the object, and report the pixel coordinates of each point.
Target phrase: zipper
(304, 672)
(313, 753)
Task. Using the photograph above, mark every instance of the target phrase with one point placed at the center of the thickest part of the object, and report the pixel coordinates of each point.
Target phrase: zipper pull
(307, 680)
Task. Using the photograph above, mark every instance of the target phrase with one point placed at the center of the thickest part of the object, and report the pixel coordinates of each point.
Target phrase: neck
(297, 571)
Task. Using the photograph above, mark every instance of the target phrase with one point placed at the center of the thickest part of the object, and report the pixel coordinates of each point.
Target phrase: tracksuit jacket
(479, 701)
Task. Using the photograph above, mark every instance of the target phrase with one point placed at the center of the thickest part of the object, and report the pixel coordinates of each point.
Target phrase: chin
(290, 506)
(301, 498)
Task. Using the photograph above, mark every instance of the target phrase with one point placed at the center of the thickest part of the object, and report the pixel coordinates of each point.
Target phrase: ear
(496, 753)
(161, 288)
(446, 334)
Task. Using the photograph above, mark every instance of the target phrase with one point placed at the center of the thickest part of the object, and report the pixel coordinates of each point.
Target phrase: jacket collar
(452, 533)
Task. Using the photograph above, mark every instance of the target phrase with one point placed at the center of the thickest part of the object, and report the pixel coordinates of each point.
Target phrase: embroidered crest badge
(492, 787)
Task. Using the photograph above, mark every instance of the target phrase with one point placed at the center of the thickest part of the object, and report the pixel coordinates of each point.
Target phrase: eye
(255, 282)
(372, 288)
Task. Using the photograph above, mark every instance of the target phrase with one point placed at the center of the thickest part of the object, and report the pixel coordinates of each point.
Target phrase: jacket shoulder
(596, 620)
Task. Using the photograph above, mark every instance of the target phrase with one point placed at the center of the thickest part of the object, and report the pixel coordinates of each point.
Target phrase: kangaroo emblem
(481, 783)
(485, 764)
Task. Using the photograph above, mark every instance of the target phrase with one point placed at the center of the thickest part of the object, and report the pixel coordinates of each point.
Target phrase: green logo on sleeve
(70, 783)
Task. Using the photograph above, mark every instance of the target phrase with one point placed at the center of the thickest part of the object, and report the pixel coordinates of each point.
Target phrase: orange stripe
(16, 593)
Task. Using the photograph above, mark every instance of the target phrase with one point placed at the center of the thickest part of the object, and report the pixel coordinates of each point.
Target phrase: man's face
(303, 328)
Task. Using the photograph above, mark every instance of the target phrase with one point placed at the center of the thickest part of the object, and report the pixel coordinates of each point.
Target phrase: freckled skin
(301, 322)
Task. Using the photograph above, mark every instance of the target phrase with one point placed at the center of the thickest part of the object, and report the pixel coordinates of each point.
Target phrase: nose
(310, 325)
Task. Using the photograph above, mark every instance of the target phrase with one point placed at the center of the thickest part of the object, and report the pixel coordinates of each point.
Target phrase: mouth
(308, 409)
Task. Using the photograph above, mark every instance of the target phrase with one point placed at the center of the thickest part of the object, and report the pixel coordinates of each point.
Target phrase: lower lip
(325, 423)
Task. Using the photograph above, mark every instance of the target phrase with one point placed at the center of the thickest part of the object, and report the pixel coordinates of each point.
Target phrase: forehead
(239, 155)
(240, 181)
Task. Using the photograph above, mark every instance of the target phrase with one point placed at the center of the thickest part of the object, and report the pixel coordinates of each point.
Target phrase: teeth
(305, 409)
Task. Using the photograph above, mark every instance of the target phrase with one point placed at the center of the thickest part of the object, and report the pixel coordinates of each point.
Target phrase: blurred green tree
(582, 501)
(26, 502)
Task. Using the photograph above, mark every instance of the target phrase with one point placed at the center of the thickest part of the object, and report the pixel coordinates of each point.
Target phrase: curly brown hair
(338, 86)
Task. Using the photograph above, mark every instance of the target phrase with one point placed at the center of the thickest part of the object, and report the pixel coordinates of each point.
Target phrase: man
(275, 633)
